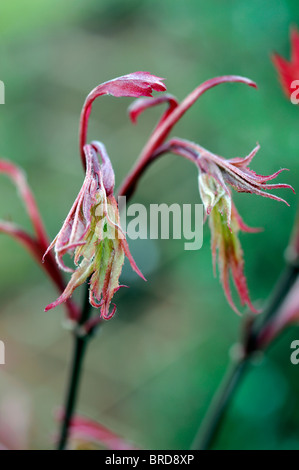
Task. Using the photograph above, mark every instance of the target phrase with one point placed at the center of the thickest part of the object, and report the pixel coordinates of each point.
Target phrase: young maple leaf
(91, 232)
(288, 72)
(216, 174)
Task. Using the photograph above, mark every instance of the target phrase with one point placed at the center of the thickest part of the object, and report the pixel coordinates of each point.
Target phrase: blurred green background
(151, 373)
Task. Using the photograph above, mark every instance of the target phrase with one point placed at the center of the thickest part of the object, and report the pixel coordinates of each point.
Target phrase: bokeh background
(151, 372)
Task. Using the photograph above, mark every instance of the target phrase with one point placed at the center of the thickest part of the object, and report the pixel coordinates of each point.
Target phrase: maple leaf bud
(216, 174)
(92, 234)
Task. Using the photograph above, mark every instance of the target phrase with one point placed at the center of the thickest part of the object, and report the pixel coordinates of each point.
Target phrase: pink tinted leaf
(106, 167)
(140, 105)
(285, 73)
(288, 72)
(242, 179)
(133, 85)
(99, 256)
(244, 162)
(78, 219)
(78, 278)
(240, 281)
(131, 259)
(228, 253)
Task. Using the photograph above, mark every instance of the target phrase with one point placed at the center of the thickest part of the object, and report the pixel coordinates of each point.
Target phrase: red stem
(164, 128)
(37, 248)
(83, 126)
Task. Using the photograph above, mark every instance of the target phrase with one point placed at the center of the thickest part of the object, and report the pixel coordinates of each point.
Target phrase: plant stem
(212, 421)
(80, 345)
(164, 128)
(280, 291)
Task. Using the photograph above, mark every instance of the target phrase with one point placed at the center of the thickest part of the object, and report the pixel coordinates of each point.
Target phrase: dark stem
(213, 419)
(80, 344)
(283, 286)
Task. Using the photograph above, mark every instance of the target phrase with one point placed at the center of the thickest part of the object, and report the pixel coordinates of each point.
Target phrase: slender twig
(80, 344)
(164, 128)
(280, 291)
(210, 425)
(212, 421)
